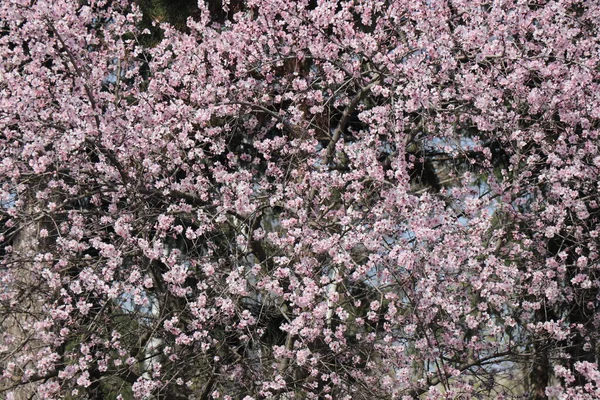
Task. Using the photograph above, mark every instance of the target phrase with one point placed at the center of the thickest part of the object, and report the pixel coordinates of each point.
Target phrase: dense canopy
(349, 199)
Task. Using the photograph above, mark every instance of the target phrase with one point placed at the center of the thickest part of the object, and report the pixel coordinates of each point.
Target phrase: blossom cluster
(311, 199)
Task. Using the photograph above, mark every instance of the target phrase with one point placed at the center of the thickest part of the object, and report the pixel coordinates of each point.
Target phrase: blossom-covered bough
(309, 199)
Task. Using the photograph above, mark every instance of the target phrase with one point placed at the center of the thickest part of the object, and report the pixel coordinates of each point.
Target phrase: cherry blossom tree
(311, 199)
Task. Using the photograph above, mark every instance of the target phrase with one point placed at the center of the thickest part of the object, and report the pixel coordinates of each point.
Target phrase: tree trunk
(539, 376)
(18, 319)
